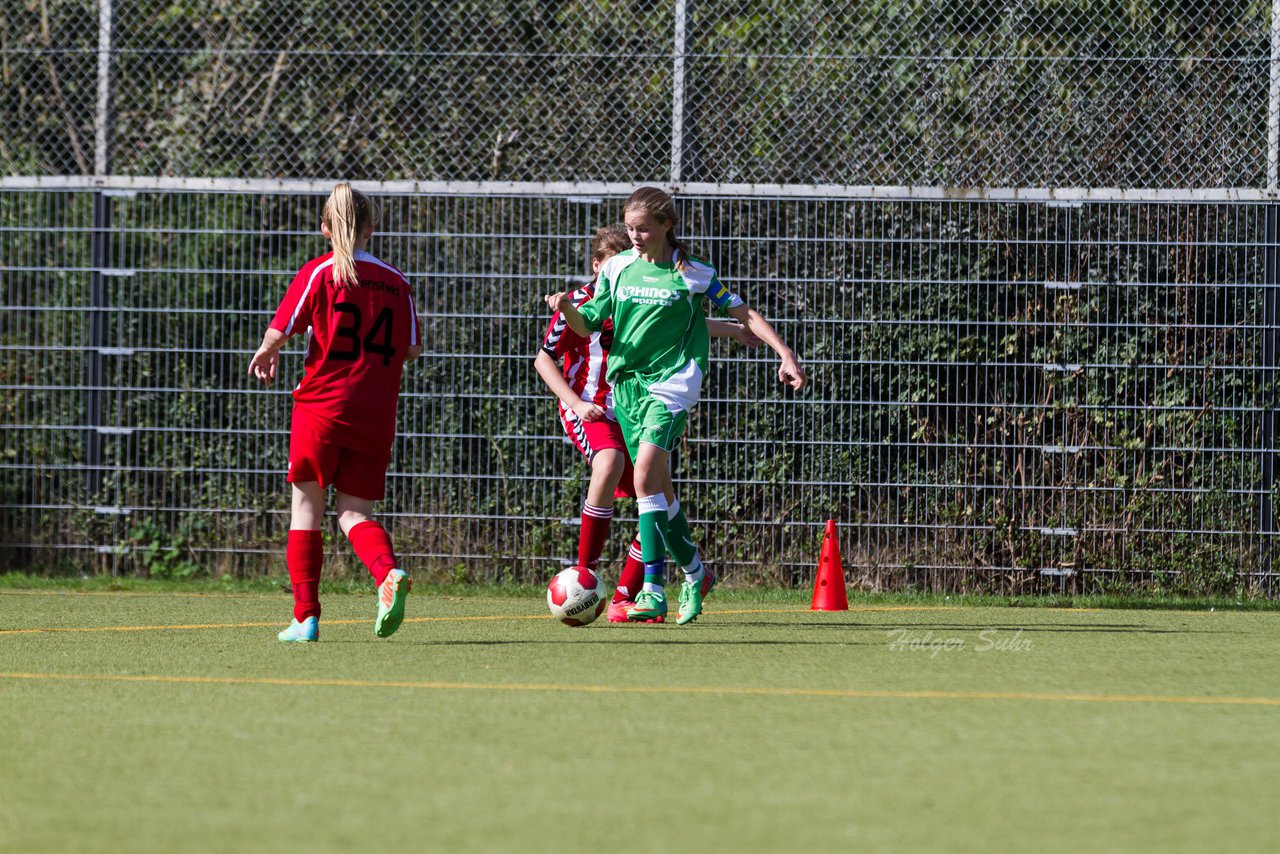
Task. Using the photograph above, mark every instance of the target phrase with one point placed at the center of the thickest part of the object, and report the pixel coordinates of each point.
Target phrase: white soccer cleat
(307, 631)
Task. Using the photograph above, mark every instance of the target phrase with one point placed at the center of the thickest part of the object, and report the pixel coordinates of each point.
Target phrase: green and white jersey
(659, 325)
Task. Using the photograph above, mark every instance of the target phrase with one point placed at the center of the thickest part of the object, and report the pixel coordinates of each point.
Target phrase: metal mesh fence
(1007, 395)
(1089, 93)
(1011, 391)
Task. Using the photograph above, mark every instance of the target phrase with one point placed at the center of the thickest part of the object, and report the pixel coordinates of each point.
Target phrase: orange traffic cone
(828, 585)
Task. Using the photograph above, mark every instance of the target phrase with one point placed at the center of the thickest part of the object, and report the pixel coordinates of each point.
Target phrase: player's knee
(348, 519)
(648, 478)
(609, 464)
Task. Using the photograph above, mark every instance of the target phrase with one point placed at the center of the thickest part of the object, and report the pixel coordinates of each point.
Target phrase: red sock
(595, 529)
(373, 546)
(631, 579)
(304, 555)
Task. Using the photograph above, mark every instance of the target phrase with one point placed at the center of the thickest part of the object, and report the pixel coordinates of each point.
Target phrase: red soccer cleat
(618, 612)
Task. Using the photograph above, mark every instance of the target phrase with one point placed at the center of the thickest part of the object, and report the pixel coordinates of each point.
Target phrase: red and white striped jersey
(583, 360)
(359, 334)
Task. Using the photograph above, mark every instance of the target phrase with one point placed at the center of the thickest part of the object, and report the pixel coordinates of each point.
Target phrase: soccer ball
(576, 596)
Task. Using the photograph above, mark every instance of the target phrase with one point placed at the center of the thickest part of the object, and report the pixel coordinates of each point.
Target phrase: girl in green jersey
(654, 292)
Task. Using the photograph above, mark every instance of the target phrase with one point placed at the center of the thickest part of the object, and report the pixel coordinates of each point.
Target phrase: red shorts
(589, 437)
(317, 452)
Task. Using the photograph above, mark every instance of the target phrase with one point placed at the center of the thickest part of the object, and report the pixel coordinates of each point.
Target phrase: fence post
(94, 343)
(102, 117)
(1273, 103)
(102, 132)
(1270, 284)
(678, 49)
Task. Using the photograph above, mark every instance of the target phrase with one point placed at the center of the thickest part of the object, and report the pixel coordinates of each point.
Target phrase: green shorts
(646, 419)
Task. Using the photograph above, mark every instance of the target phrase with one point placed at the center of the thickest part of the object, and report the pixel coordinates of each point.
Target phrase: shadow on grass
(1050, 628)
(637, 641)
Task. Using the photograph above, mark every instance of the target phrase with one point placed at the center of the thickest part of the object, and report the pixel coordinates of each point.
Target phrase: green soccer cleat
(690, 603)
(391, 595)
(649, 607)
(307, 631)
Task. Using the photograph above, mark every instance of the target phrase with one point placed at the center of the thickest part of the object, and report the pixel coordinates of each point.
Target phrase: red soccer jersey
(359, 334)
(583, 360)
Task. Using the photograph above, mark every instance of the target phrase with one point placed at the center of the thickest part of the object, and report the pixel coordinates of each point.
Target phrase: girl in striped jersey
(574, 368)
(363, 326)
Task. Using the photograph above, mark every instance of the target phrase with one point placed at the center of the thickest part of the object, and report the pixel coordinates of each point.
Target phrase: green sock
(680, 538)
(653, 540)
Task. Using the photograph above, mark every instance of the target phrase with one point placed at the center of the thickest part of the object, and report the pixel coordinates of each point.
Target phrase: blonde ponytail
(348, 213)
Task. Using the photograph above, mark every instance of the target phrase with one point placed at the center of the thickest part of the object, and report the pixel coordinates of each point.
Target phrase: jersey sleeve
(721, 297)
(415, 325)
(702, 278)
(294, 313)
(559, 338)
(599, 308)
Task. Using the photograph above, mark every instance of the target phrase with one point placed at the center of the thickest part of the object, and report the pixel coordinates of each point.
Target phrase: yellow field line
(139, 628)
(482, 618)
(632, 689)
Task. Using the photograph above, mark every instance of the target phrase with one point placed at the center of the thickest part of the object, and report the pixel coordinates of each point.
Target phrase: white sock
(695, 571)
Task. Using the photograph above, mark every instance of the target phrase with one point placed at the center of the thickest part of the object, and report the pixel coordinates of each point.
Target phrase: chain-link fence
(1010, 395)
(1085, 93)
(1029, 250)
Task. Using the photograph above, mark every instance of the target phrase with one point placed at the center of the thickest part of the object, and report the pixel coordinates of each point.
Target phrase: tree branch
(76, 148)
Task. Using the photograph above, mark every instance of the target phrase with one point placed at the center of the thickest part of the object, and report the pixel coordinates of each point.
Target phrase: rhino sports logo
(641, 295)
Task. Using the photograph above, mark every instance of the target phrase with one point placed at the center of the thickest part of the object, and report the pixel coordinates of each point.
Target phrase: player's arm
(557, 342)
(292, 316)
(593, 313)
(267, 358)
(789, 371)
(550, 372)
(736, 331)
(563, 303)
(414, 350)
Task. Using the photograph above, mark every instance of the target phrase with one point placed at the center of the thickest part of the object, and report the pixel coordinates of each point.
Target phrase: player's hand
(588, 411)
(264, 363)
(746, 338)
(792, 374)
(557, 301)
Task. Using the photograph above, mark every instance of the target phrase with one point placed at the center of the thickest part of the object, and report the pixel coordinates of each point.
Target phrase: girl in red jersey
(363, 327)
(573, 367)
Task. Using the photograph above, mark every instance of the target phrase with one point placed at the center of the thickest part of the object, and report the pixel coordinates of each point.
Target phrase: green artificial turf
(762, 727)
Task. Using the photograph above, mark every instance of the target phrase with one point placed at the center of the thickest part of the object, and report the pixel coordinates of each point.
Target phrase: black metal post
(94, 342)
(1270, 283)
